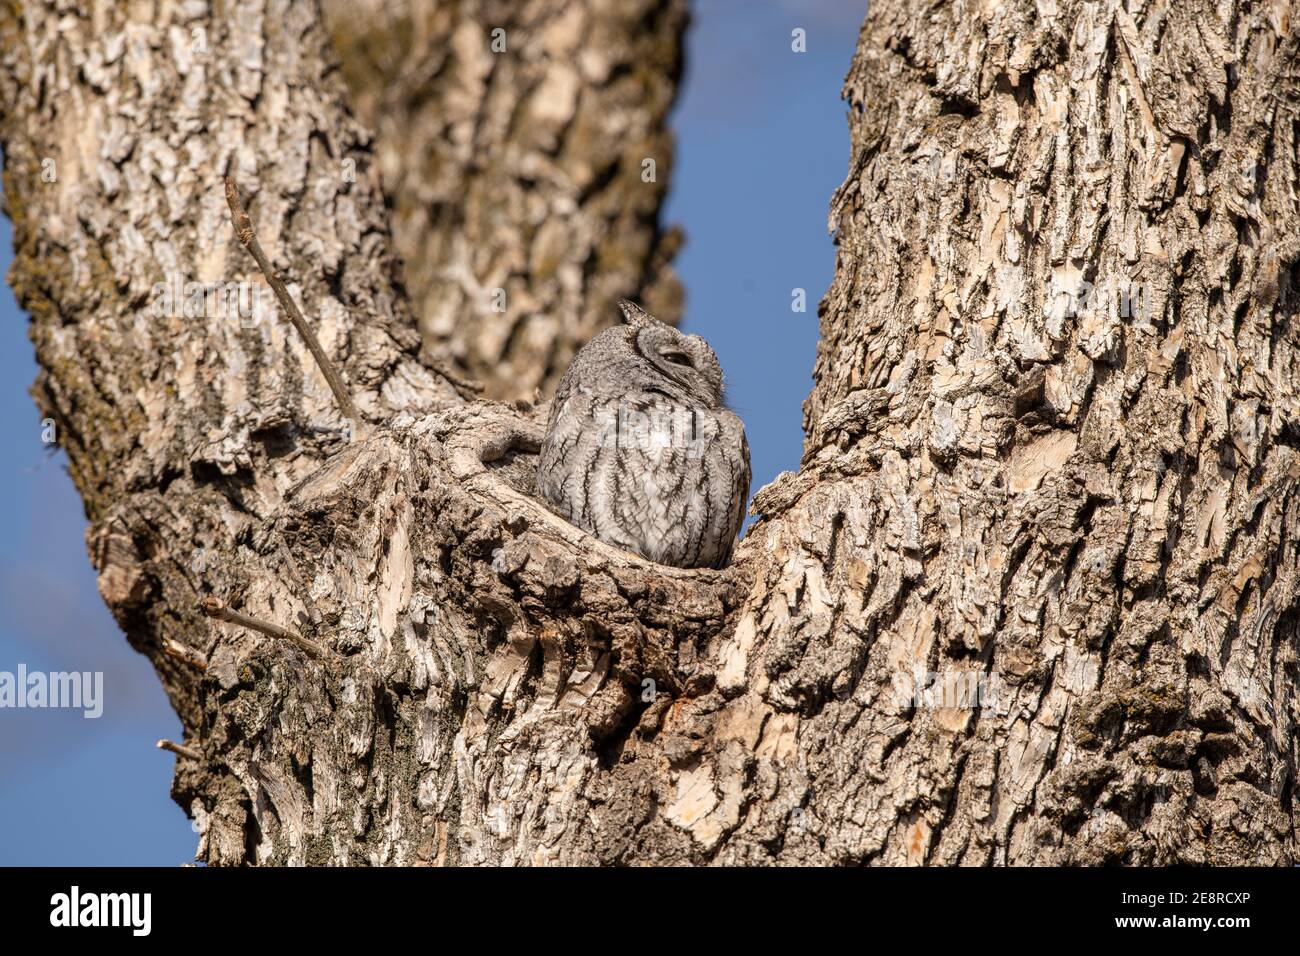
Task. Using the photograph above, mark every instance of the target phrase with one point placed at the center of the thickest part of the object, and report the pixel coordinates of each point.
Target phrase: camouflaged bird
(640, 450)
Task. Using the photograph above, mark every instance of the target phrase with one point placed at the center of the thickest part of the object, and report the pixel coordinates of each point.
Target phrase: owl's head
(687, 362)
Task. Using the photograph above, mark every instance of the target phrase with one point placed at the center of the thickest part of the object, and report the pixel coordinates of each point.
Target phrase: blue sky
(762, 142)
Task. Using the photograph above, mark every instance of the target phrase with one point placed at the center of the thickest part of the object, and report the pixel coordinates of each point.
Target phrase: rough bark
(1096, 512)
(514, 162)
(183, 432)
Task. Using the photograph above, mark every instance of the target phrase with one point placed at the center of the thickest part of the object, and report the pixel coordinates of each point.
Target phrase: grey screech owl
(640, 450)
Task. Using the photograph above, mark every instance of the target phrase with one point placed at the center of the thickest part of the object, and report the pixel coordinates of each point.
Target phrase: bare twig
(248, 239)
(180, 750)
(182, 653)
(463, 385)
(214, 608)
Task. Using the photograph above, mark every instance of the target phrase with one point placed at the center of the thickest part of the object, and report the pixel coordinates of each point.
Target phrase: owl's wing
(743, 478)
(561, 463)
(733, 433)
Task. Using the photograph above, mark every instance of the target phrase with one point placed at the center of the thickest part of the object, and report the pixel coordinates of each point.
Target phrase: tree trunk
(1009, 488)
(512, 137)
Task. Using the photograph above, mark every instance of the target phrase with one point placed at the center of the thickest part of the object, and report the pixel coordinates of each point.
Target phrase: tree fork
(1099, 512)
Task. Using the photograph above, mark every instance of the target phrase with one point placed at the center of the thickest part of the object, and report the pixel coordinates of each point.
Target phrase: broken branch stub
(466, 609)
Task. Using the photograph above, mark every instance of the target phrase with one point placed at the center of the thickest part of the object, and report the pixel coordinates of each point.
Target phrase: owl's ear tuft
(634, 315)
